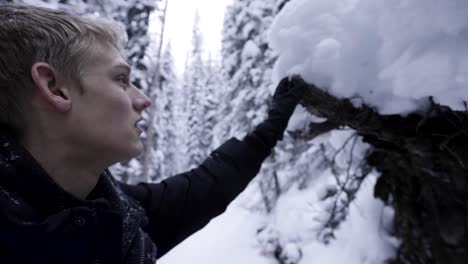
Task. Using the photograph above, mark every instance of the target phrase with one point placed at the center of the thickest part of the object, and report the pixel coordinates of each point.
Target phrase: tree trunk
(423, 161)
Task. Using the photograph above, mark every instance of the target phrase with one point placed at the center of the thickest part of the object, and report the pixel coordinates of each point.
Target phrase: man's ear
(51, 86)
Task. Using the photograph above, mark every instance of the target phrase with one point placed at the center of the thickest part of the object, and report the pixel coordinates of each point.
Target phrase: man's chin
(137, 149)
(132, 150)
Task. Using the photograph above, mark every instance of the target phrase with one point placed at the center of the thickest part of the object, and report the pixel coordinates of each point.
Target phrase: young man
(68, 111)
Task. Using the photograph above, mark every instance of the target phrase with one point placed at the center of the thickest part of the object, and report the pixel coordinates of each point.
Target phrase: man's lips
(139, 130)
(138, 126)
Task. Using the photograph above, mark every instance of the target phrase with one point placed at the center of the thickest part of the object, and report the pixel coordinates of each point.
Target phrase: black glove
(285, 99)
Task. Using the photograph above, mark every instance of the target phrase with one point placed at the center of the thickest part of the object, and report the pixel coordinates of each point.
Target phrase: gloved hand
(285, 100)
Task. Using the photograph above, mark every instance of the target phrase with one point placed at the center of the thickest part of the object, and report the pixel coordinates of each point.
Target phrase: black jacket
(117, 223)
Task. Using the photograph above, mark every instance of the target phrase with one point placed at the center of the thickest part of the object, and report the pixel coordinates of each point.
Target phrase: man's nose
(141, 101)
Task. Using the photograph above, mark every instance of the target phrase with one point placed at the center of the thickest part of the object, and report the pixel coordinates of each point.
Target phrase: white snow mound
(392, 55)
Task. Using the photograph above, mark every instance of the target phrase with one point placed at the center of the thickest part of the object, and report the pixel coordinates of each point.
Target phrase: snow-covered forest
(371, 169)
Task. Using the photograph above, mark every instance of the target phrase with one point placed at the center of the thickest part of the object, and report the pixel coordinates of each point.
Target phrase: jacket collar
(21, 173)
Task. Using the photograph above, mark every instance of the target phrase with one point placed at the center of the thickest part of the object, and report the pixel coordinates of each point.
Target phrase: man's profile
(68, 112)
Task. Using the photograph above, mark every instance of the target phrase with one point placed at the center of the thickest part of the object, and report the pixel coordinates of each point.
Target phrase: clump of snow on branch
(392, 55)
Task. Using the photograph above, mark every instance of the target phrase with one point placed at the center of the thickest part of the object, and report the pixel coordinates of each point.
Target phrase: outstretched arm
(185, 203)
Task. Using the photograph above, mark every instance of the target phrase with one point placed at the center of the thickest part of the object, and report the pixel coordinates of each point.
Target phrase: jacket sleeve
(183, 204)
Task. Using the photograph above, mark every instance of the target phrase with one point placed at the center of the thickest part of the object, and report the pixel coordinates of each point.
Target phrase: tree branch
(422, 159)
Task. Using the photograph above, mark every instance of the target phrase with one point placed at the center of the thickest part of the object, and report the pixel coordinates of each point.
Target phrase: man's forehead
(116, 61)
(111, 58)
(105, 60)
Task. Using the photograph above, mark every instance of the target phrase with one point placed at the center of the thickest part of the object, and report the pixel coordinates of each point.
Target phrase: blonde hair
(30, 34)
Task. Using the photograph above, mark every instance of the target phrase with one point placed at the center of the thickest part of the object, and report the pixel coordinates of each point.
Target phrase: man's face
(103, 119)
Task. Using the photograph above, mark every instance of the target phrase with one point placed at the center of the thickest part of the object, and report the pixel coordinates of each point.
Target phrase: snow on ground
(391, 55)
(231, 238)
(362, 238)
(228, 239)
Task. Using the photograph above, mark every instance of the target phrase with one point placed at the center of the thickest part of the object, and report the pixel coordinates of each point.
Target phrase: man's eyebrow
(123, 66)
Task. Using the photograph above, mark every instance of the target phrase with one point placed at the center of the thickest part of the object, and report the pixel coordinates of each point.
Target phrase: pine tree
(167, 156)
(155, 85)
(210, 103)
(196, 76)
(247, 63)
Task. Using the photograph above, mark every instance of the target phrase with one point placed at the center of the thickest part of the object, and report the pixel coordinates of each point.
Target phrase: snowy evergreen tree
(210, 103)
(195, 85)
(247, 63)
(167, 155)
(154, 55)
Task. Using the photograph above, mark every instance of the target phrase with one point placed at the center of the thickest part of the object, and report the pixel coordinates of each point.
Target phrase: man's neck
(74, 174)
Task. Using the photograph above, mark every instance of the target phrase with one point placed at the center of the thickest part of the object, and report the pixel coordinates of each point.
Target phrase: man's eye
(122, 79)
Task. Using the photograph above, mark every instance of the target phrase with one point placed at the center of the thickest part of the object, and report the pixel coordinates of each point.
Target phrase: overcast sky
(179, 26)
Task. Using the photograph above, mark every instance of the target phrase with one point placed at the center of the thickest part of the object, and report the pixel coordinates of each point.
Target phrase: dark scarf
(32, 183)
